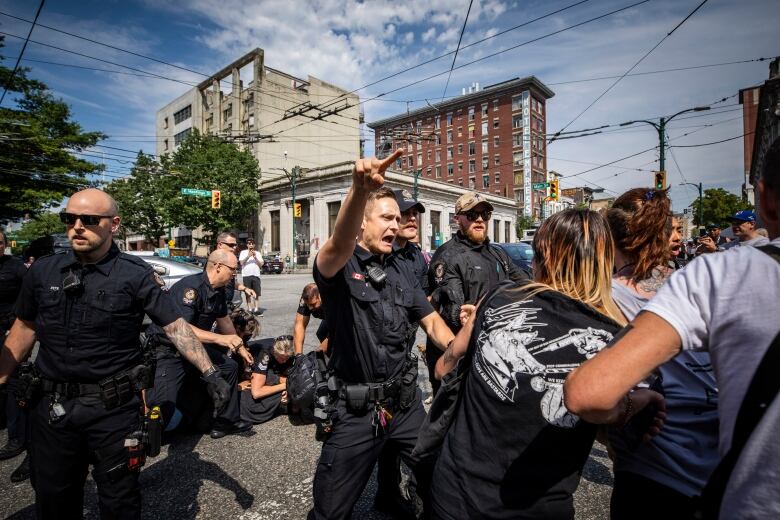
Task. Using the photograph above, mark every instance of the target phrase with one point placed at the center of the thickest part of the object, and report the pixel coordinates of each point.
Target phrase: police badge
(190, 295)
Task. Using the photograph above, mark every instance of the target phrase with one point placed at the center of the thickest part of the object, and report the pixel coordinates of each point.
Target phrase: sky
(354, 43)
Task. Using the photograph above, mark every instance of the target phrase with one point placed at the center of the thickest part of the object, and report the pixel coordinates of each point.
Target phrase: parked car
(520, 253)
(272, 265)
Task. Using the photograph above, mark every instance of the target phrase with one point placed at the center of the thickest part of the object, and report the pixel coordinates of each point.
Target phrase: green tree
(142, 199)
(524, 223)
(207, 162)
(718, 206)
(37, 138)
(41, 225)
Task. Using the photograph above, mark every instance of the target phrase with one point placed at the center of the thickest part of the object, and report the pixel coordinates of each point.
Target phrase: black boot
(22, 473)
(11, 449)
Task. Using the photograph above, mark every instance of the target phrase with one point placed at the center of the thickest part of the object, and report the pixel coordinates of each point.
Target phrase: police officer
(310, 305)
(466, 267)
(369, 302)
(200, 299)
(86, 308)
(227, 241)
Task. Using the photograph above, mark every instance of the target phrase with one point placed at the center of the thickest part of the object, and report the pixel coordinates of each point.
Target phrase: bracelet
(210, 370)
(627, 412)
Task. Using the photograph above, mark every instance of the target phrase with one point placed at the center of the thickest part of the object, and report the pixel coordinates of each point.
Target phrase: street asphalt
(265, 473)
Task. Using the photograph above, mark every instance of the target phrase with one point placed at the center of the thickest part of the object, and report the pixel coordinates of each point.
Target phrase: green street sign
(196, 193)
(541, 185)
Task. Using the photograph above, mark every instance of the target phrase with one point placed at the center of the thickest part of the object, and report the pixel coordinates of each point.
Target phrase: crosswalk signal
(660, 180)
(216, 200)
(553, 190)
(297, 210)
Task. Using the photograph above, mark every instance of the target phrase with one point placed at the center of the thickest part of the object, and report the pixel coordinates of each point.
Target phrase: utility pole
(416, 187)
(293, 177)
(701, 201)
(660, 127)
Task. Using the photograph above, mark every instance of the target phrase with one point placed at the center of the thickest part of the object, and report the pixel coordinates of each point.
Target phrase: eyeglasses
(87, 220)
(230, 244)
(285, 337)
(232, 269)
(472, 214)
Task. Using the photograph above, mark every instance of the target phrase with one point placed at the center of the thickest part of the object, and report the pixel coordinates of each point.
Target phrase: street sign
(196, 193)
(541, 185)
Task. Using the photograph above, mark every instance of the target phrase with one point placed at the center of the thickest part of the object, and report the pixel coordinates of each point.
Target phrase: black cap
(712, 225)
(406, 201)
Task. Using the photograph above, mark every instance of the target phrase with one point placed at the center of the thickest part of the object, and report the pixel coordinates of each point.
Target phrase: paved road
(266, 473)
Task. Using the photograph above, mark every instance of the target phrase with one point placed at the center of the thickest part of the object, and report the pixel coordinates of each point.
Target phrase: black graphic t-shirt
(514, 451)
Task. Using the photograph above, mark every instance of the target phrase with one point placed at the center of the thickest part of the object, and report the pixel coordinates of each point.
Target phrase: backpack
(307, 373)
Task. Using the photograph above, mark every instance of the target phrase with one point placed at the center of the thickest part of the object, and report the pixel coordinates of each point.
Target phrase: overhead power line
(457, 48)
(21, 53)
(708, 144)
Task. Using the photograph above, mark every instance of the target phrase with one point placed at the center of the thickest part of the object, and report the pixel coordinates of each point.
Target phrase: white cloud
(427, 35)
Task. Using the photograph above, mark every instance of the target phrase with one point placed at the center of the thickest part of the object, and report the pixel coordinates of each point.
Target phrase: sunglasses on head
(285, 337)
(87, 220)
(473, 214)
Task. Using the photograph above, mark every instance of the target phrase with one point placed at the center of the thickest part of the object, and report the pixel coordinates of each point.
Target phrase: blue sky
(351, 43)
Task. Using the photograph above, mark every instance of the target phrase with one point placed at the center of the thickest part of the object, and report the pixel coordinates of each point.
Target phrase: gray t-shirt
(684, 454)
(727, 304)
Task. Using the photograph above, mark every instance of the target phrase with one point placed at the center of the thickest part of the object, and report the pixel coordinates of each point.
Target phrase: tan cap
(470, 200)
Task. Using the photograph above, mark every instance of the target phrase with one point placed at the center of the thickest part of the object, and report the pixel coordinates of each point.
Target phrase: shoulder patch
(158, 279)
(190, 295)
(438, 271)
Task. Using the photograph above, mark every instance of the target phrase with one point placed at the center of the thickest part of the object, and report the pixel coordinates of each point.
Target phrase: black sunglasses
(472, 214)
(87, 220)
(230, 244)
(285, 337)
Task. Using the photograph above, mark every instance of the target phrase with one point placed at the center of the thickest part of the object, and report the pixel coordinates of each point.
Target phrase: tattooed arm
(181, 335)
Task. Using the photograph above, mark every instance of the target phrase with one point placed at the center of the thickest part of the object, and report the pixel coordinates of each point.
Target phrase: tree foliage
(524, 223)
(37, 138)
(718, 206)
(41, 225)
(142, 199)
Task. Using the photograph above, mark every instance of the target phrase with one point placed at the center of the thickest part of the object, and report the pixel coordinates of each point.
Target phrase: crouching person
(265, 396)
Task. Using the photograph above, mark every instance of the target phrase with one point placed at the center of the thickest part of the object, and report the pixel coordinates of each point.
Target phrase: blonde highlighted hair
(574, 255)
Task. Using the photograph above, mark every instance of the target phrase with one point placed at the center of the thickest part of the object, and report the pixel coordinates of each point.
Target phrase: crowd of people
(622, 332)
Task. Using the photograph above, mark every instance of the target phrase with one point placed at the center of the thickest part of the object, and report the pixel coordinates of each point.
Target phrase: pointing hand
(369, 174)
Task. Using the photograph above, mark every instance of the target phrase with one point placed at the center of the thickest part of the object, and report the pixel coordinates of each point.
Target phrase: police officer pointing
(86, 307)
(369, 301)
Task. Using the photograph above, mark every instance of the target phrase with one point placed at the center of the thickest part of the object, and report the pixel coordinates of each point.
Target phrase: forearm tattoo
(656, 280)
(181, 335)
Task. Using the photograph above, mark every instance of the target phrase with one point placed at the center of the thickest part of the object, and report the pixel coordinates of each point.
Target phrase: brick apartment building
(490, 140)
(748, 98)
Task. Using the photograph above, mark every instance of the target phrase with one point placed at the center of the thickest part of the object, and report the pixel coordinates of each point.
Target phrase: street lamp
(661, 128)
(701, 201)
(293, 178)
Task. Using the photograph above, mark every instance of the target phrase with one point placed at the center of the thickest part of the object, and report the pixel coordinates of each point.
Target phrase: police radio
(72, 283)
(376, 275)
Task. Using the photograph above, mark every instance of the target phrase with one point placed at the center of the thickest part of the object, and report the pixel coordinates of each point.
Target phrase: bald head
(220, 256)
(221, 267)
(92, 202)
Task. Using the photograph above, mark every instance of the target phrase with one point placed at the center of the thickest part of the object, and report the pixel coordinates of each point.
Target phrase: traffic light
(553, 190)
(216, 200)
(297, 210)
(660, 180)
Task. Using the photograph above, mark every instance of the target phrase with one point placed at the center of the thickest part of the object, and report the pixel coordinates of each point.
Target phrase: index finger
(387, 161)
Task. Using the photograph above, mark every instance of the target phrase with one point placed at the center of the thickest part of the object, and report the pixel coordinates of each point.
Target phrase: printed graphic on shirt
(511, 346)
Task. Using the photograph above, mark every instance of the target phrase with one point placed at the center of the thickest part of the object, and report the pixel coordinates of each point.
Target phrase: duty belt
(69, 390)
(377, 392)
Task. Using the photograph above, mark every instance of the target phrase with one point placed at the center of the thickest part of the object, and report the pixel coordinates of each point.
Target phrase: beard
(475, 235)
(86, 244)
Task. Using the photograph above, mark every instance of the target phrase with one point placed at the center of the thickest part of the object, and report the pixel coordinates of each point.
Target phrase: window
(486, 181)
(249, 104)
(472, 183)
(438, 172)
(507, 229)
(517, 158)
(450, 170)
(438, 139)
(460, 131)
(496, 233)
(517, 140)
(495, 142)
(460, 166)
(497, 178)
(182, 115)
(460, 148)
(517, 103)
(438, 155)
(484, 163)
(398, 164)
(419, 127)
(449, 152)
(165, 144)
(275, 230)
(471, 113)
(484, 110)
(411, 161)
(460, 182)
(460, 113)
(495, 105)
(252, 120)
(449, 136)
(484, 127)
(419, 159)
(437, 122)
(449, 119)
(472, 165)
(495, 122)
(228, 112)
(428, 155)
(165, 123)
(435, 228)
(517, 121)
(333, 211)
(471, 132)
(497, 160)
(484, 146)
(181, 136)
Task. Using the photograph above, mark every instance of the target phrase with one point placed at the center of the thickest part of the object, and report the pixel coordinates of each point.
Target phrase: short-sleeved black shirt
(368, 323)
(265, 363)
(417, 265)
(303, 310)
(514, 450)
(91, 333)
(197, 302)
(12, 270)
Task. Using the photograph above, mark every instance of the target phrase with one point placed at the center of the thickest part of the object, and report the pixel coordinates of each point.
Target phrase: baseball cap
(745, 215)
(470, 200)
(406, 201)
(713, 225)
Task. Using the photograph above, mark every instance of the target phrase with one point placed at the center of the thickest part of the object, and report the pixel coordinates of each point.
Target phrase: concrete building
(748, 98)
(491, 140)
(580, 194)
(321, 190)
(284, 120)
(767, 128)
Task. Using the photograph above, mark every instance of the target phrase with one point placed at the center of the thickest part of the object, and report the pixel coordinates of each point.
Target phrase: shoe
(219, 431)
(11, 449)
(257, 312)
(22, 473)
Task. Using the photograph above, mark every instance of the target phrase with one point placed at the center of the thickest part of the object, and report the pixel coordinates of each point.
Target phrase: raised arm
(367, 175)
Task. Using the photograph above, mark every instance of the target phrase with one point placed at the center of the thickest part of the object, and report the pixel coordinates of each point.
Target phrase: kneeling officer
(86, 308)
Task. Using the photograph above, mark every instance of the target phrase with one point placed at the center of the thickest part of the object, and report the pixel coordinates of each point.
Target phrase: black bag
(763, 389)
(302, 380)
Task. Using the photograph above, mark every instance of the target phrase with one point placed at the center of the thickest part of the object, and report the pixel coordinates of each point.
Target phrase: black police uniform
(200, 305)
(258, 411)
(322, 329)
(462, 271)
(368, 332)
(87, 319)
(12, 271)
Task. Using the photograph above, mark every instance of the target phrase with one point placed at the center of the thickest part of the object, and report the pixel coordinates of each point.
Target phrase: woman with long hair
(662, 477)
(513, 450)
